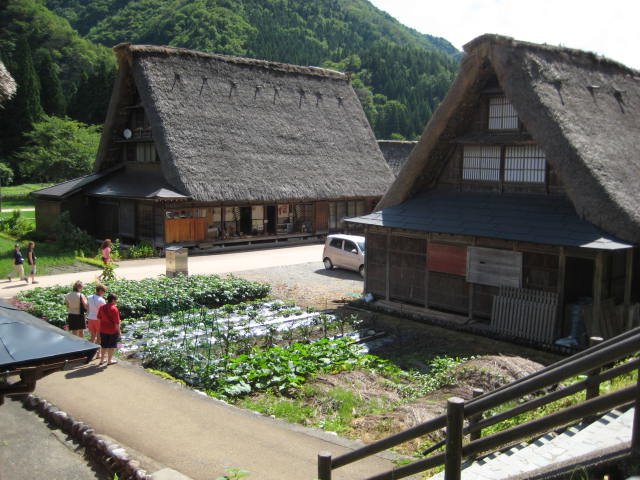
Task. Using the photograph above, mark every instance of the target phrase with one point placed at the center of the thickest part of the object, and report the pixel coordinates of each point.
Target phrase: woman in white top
(76, 307)
(95, 301)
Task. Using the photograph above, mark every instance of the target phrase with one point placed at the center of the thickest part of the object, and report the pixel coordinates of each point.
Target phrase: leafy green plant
(108, 274)
(234, 474)
(154, 295)
(142, 250)
(71, 236)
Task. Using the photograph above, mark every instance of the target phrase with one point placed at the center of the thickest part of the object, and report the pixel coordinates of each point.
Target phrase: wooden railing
(600, 363)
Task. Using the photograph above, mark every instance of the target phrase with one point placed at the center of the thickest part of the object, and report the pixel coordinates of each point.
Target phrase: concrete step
(576, 442)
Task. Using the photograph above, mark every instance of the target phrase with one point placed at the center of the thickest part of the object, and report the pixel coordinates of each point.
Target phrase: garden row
(160, 296)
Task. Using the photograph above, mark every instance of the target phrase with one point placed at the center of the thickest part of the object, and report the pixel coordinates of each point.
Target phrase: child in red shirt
(109, 317)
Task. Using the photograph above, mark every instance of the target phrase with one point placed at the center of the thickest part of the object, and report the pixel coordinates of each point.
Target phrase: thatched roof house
(396, 153)
(584, 110)
(235, 133)
(522, 184)
(7, 84)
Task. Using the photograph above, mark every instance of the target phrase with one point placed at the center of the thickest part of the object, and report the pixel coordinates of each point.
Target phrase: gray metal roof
(132, 184)
(539, 219)
(64, 189)
(28, 341)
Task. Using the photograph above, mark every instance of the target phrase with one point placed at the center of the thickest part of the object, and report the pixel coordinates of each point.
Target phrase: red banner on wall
(447, 258)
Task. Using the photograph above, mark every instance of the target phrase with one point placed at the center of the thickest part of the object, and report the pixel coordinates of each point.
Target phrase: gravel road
(309, 284)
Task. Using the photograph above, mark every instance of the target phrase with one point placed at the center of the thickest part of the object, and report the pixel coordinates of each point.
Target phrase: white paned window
(481, 163)
(524, 164)
(502, 115)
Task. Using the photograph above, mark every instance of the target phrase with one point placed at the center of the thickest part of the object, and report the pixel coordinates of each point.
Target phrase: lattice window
(524, 164)
(502, 115)
(481, 163)
(146, 153)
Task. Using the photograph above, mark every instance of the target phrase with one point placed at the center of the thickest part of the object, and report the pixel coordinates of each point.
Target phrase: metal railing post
(324, 466)
(453, 449)
(475, 434)
(635, 433)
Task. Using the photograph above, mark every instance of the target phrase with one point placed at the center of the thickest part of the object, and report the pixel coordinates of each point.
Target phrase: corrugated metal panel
(447, 258)
(490, 266)
(528, 314)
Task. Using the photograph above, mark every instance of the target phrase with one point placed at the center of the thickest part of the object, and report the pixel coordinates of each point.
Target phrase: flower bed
(158, 296)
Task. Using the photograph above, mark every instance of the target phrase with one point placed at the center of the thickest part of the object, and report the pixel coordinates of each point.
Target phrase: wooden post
(597, 289)
(453, 448)
(562, 267)
(475, 435)
(635, 433)
(627, 289)
(324, 466)
(426, 274)
(387, 268)
(593, 387)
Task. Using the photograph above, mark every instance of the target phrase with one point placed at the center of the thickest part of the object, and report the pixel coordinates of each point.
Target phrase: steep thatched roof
(582, 109)
(233, 129)
(396, 153)
(7, 84)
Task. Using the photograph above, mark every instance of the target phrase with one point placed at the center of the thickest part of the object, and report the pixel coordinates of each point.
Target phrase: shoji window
(502, 115)
(481, 163)
(524, 164)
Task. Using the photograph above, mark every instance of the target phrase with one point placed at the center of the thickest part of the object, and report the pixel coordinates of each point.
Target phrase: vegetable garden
(221, 335)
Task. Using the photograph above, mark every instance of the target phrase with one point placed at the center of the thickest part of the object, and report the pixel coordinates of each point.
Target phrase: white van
(344, 251)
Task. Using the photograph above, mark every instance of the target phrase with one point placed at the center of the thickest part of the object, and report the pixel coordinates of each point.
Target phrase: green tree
(6, 174)
(58, 149)
(51, 96)
(24, 109)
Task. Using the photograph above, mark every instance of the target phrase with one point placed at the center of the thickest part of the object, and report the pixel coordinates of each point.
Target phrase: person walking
(109, 316)
(31, 260)
(18, 264)
(76, 307)
(95, 301)
(106, 251)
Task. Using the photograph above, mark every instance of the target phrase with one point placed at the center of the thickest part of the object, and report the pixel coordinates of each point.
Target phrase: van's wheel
(327, 264)
(361, 270)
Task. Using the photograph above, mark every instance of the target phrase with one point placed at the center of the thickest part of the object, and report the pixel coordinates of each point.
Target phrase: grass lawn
(50, 256)
(21, 192)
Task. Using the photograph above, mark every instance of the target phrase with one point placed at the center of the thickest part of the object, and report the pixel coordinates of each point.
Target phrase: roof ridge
(135, 49)
(502, 40)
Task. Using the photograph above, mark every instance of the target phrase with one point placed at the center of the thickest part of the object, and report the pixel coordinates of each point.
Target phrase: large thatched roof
(7, 84)
(582, 109)
(234, 129)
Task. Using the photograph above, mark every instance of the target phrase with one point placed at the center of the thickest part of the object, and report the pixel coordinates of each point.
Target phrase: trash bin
(177, 261)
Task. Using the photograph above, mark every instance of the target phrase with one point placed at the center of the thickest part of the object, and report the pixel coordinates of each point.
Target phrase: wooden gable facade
(482, 228)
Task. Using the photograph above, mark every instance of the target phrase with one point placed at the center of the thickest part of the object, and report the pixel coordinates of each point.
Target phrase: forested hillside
(59, 48)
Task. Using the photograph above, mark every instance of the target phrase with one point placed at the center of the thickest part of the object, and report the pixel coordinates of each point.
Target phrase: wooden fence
(528, 314)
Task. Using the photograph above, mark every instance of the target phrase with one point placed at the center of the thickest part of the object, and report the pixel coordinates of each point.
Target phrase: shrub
(71, 236)
(142, 250)
(16, 225)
